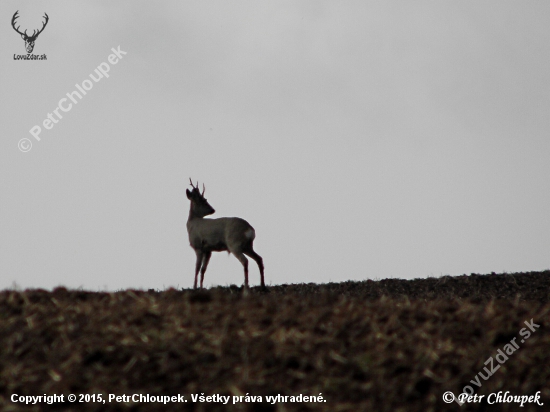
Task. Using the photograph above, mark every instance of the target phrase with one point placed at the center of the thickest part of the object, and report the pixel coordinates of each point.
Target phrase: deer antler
(34, 33)
(197, 186)
(15, 17)
(43, 26)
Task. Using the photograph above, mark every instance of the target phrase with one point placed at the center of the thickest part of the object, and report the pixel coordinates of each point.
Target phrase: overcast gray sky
(361, 139)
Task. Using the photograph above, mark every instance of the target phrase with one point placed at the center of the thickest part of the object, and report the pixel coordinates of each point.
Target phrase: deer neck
(193, 215)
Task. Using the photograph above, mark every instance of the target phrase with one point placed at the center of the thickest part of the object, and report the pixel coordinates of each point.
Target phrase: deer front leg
(197, 266)
(205, 261)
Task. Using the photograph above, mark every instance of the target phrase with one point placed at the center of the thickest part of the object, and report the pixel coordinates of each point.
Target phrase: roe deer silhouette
(231, 234)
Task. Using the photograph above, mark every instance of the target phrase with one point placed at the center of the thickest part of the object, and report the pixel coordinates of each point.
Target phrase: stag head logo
(29, 40)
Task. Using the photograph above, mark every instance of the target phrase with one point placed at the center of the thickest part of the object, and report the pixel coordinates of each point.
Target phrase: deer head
(29, 40)
(199, 205)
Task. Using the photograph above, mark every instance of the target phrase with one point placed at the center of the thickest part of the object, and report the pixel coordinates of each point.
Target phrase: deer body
(231, 234)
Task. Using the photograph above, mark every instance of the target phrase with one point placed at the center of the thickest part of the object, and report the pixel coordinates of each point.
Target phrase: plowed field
(389, 345)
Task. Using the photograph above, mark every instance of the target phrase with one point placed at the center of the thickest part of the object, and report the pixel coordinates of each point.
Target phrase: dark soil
(389, 345)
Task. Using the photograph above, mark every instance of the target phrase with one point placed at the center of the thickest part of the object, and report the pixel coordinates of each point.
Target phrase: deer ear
(23, 36)
(188, 193)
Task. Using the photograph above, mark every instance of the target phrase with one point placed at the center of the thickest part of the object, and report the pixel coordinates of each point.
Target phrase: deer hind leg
(260, 263)
(205, 261)
(197, 267)
(242, 258)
